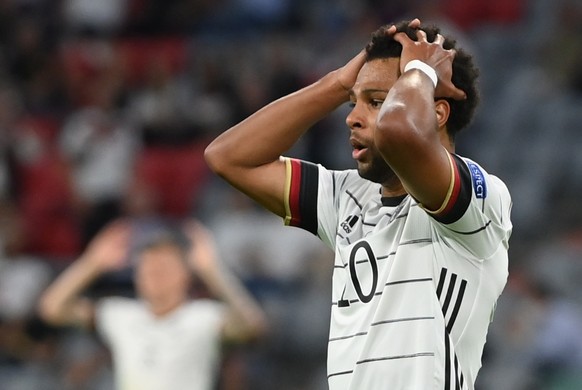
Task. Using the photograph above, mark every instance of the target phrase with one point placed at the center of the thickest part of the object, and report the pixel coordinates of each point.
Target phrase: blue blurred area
(105, 109)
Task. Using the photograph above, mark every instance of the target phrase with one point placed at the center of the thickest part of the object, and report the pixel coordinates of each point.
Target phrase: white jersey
(178, 351)
(413, 291)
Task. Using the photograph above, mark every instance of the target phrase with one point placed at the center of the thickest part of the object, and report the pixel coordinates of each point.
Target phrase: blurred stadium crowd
(106, 107)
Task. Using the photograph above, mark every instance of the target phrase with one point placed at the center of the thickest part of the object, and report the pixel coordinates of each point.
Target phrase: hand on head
(202, 257)
(431, 53)
(414, 23)
(109, 250)
(347, 75)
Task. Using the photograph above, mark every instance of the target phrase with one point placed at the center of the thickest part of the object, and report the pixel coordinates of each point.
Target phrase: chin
(377, 173)
(366, 174)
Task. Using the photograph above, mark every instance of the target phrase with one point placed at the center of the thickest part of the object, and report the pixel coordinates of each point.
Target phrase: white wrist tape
(424, 68)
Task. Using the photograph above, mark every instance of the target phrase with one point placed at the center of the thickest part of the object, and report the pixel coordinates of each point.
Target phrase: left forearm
(412, 137)
(407, 118)
(246, 318)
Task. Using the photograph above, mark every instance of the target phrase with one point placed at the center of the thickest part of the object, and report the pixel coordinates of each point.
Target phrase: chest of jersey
(388, 314)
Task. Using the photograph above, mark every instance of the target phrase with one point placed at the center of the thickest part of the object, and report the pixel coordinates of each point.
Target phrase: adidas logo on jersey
(349, 223)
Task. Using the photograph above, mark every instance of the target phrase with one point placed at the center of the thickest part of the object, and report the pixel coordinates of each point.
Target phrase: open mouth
(358, 149)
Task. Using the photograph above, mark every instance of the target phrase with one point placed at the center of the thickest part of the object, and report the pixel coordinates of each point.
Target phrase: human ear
(443, 110)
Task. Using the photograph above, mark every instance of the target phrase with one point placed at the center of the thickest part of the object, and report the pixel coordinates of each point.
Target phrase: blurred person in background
(163, 340)
(535, 342)
(420, 233)
(25, 344)
(100, 149)
(291, 285)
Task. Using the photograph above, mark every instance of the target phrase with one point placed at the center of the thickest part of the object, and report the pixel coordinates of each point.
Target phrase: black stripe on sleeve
(465, 194)
(308, 196)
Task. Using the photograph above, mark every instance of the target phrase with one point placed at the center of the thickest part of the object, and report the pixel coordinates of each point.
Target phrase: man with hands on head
(420, 233)
(163, 339)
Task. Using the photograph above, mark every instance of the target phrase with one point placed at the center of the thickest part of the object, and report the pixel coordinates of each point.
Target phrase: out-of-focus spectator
(30, 62)
(288, 271)
(161, 106)
(535, 340)
(10, 111)
(45, 196)
(561, 55)
(100, 147)
(163, 339)
(172, 177)
(557, 349)
(173, 127)
(22, 277)
(22, 337)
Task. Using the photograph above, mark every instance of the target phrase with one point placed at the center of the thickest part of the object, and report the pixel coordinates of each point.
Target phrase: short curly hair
(465, 73)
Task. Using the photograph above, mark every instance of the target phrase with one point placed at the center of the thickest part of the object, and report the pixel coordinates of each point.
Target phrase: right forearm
(60, 304)
(246, 320)
(271, 131)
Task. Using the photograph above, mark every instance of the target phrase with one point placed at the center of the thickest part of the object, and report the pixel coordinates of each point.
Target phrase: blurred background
(106, 107)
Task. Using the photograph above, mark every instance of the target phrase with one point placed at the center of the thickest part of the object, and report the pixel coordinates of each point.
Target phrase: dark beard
(379, 172)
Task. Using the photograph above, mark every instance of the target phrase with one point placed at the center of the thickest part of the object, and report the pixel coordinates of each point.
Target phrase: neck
(393, 188)
(387, 192)
(160, 308)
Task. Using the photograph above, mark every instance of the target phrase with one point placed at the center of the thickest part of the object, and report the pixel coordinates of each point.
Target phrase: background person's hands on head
(109, 249)
(203, 257)
(434, 55)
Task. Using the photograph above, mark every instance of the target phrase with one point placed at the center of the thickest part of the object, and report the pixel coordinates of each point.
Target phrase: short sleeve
(310, 199)
(110, 314)
(481, 223)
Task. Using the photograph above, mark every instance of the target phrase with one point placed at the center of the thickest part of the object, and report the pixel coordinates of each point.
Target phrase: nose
(354, 119)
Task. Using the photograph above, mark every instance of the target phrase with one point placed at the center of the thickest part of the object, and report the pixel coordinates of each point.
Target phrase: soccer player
(163, 340)
(420, 233)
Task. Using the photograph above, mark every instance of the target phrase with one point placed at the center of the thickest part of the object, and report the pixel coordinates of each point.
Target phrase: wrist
(335, 88)
(91, 265)
(424, 68)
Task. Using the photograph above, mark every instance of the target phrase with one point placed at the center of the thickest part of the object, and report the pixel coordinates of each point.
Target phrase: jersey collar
(393, 201)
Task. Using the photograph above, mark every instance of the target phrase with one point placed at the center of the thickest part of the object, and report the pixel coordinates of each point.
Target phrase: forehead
(378, 74)
(160, 255)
